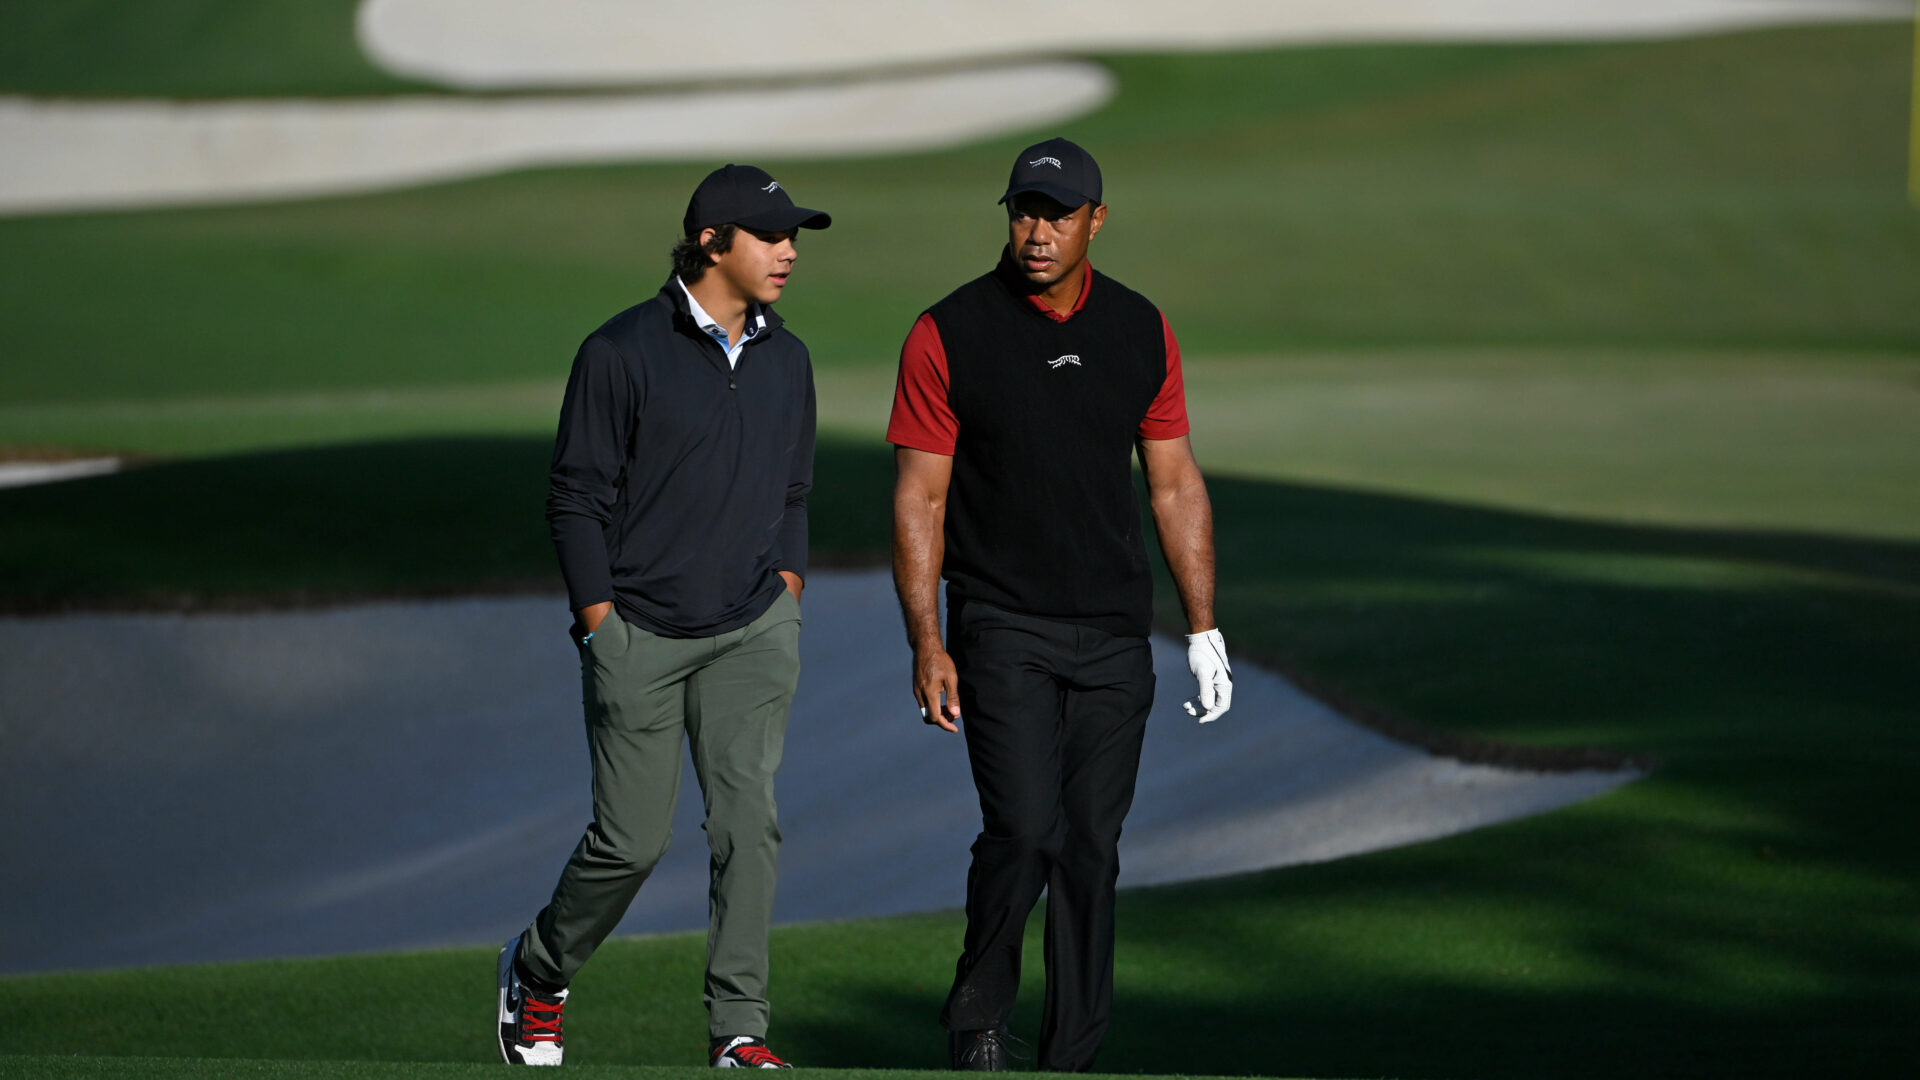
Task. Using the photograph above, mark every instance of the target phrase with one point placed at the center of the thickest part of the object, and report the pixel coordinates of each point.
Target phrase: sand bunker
(80, 155)
(28, 473)
(67, 155)
(397, 775)
(508, 43)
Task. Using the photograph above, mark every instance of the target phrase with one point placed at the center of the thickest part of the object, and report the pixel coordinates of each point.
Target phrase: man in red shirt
(1023, 398)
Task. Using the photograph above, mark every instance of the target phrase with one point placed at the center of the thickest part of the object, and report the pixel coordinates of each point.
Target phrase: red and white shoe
(743, 1052)
(529, 1020)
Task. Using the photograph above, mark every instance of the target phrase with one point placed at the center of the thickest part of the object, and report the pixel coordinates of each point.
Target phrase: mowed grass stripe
(1819, 443)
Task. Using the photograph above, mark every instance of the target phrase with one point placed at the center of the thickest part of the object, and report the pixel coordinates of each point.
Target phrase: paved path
(398, 775)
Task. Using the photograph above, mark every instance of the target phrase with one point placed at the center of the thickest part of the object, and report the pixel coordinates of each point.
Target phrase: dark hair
(691, 258)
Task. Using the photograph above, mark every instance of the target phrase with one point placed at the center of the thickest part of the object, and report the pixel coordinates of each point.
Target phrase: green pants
(729, 695)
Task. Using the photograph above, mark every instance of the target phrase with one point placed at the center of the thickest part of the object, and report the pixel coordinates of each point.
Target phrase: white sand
(68, 155)
(27, 473)
(188, 788)
(509, 43)
(80, 155)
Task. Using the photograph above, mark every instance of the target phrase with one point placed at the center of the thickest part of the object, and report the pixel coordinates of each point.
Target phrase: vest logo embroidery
(1060, 362)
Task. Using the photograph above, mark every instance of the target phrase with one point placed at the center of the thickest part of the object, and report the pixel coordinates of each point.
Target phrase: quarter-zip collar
(755, 325)
(762, 321)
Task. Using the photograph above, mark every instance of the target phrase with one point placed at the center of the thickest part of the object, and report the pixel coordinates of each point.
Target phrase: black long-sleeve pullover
(679, 485)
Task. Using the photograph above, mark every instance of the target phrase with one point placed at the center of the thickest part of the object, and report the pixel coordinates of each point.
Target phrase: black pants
(1053, 715)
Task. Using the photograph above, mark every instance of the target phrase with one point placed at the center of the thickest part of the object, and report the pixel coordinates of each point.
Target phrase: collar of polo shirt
(756, 322)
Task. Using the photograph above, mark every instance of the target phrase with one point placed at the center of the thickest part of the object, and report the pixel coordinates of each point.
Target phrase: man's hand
(794, 584)
(1207, 659)
(934, 675)
(587, 620)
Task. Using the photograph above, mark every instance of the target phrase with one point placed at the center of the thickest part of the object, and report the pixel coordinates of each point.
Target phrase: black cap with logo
(1058, 169)
(744, 195)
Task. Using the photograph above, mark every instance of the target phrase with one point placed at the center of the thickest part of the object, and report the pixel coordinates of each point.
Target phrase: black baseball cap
(744, 195)
(1058, 169)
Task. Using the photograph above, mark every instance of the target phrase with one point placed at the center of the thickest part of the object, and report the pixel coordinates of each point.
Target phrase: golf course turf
(1553, 396)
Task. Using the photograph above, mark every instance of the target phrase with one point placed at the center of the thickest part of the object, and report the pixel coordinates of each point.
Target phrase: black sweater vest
(1042, 517)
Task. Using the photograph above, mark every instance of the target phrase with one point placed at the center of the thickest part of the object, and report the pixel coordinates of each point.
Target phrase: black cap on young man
(1058, 169)
(749, 197)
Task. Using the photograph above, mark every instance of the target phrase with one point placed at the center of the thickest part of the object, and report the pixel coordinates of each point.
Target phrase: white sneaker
(529, 1020)
(743, 1052)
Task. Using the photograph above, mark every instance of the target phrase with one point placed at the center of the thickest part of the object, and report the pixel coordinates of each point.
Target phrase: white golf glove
(1207, 659)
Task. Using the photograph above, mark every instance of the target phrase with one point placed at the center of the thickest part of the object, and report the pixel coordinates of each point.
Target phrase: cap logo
(1070, 358)
(1053, 161)
(771, 188)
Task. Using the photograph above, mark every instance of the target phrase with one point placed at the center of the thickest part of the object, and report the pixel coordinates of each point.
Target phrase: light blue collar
(756, 323)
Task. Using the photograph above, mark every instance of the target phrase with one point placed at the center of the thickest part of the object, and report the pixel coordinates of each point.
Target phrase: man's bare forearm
(919, 544)
(1183, 515)
(1186, 538)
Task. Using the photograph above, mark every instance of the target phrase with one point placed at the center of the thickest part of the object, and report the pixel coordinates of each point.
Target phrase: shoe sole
(504, 982)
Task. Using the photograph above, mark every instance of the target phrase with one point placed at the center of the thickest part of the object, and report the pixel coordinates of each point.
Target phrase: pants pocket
(610, 638)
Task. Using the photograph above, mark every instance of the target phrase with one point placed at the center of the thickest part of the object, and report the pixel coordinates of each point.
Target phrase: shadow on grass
(1745, 911)
(337, 523)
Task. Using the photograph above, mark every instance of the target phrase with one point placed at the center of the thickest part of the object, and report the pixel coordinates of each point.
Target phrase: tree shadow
(412, 517)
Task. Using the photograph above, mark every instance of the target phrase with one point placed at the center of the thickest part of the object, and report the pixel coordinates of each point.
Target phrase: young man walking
(679, 508)
(1022, 399)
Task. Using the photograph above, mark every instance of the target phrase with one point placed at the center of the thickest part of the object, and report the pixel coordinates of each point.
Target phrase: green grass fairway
(1739, 191)
(1553, 397)
(421, 515)
(441, 488)
(1814, 442)
(185, 48)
